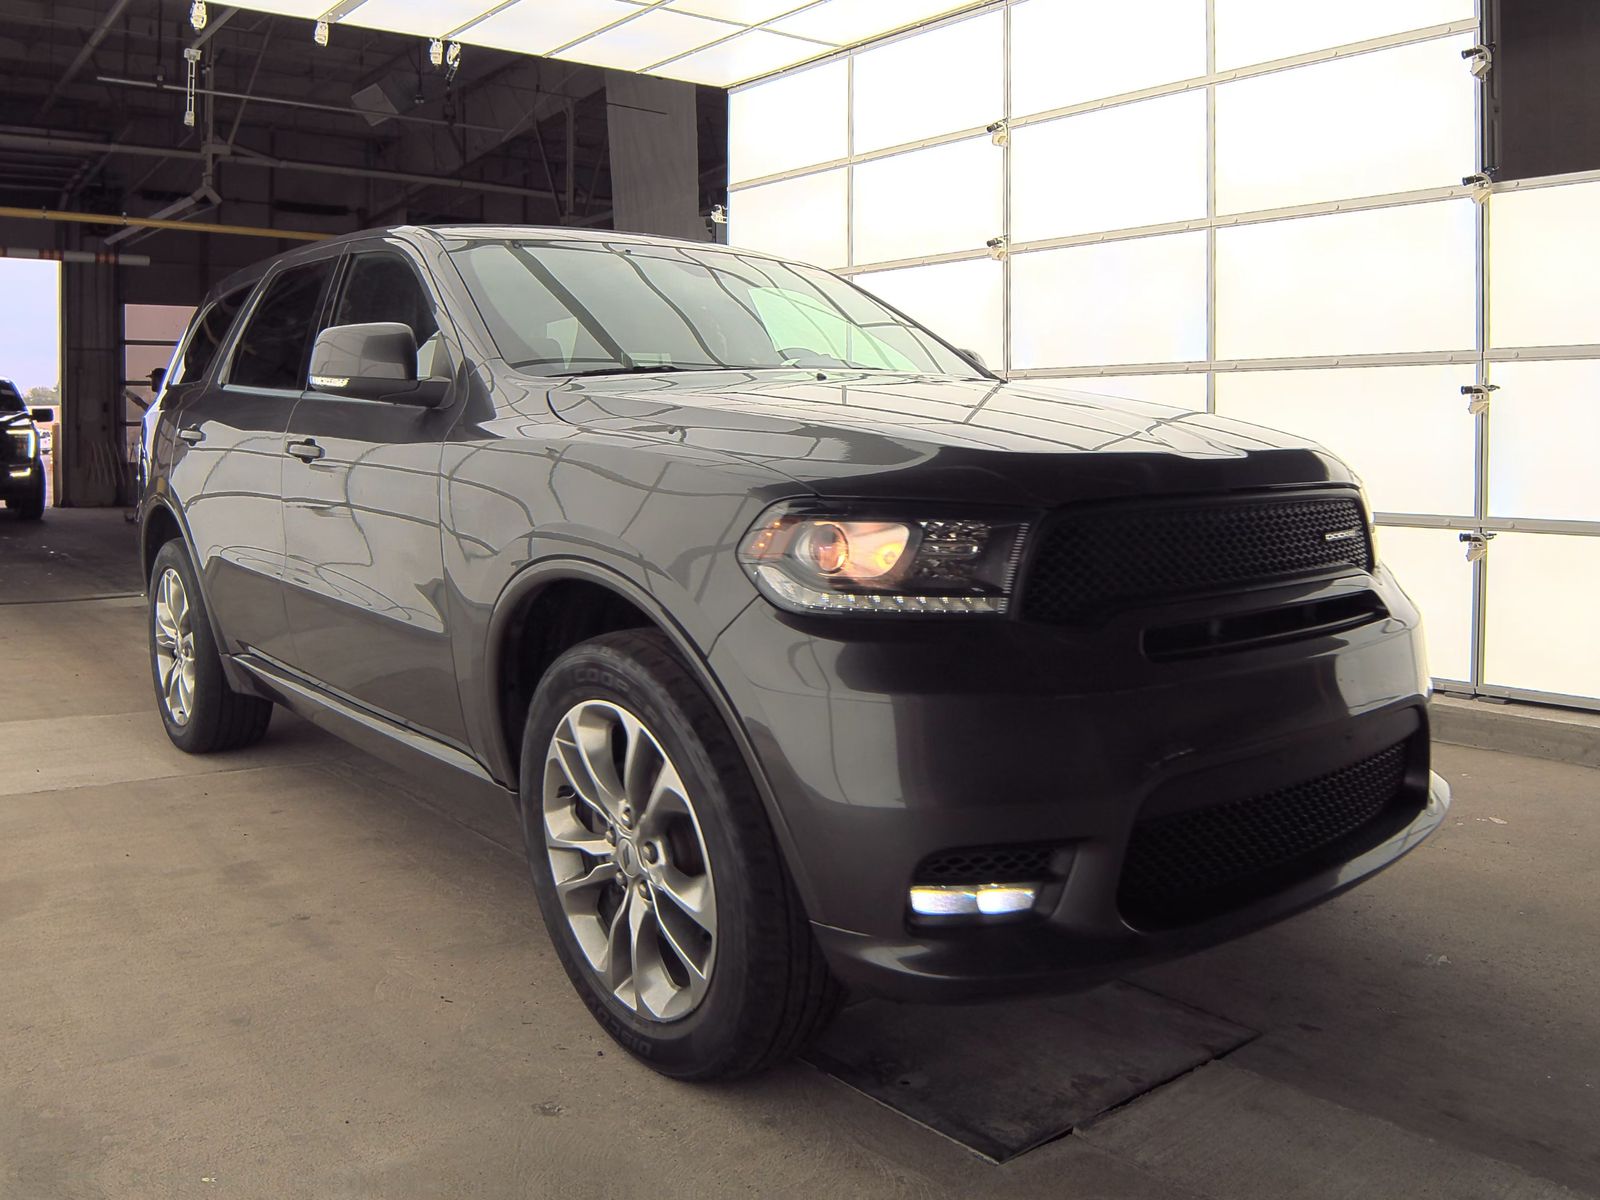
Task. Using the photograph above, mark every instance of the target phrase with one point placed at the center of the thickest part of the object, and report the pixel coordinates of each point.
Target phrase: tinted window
(276, 345)
(556, 308)
(210, 331)
(10, 398)
(383, 287)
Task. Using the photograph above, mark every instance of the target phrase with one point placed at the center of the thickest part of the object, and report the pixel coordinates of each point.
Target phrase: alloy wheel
(629, 861)
(174, 633)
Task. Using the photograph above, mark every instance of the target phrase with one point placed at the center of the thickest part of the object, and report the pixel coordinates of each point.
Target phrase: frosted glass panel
(794, 121)
(1544, 441)
(928, 202)
(800, 218)
(846, 22)
(1432, 567)
(1405, 430)
(1384, 281)
(1251, 31)
(939, 82)
(959, 301)
(1391, 121)
(1136, 164)
(1543, 247)
(1180, 391)
(745, 56)
(1139, 301)
(1064, 54)
(1540, 610)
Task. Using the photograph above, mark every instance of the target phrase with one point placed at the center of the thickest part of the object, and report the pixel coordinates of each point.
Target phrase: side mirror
(158, 376)
(42, 415)
(974, 356)
(377, 361)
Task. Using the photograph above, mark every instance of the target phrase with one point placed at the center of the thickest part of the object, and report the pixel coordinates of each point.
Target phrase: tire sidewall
(208, 681)
(690, 1044)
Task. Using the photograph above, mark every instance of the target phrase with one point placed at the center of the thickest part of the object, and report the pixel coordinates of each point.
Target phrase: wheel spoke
(666, 796)
(692, 895)
(594, 879)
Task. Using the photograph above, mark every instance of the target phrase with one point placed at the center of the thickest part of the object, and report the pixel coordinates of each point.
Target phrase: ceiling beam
(90, 45)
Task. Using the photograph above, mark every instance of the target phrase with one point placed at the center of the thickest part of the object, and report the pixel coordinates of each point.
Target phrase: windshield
(565, 308)
(10, 401)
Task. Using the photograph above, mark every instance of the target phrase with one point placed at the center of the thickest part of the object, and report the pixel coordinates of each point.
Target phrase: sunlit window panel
(1405, 430)
(1064, 54)
(1540, 614)
(1390, 121)
(928, 202)
(1432, 567)
(748, 12)
(1139, 301)
(960, 301)
(1186, 390)
(1253, 31)
(1381, 281)
(741, 57)
(907, 90)
(648, 39)
(803, 219)
(846, 22)
(790, 122)
(433, 19)
(289, 8)
(530, 27)
(1115, 168)
(1544, 441)
(1544, 289)
(155, 322)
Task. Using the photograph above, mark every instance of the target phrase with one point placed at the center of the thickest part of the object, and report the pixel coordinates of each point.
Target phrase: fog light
(963, 900)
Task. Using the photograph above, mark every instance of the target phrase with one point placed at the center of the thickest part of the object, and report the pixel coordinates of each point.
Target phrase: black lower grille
(1029, 863)
(1095, 560)
(1190, 865)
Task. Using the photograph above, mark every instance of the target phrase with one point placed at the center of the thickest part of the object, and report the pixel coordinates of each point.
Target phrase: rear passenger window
(275, 349)
(206, 338)
(383, 287)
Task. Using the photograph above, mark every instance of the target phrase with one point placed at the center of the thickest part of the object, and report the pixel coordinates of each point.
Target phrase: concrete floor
(294, 972)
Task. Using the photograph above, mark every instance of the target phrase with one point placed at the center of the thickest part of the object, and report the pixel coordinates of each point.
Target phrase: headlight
(27, 440)
(809, 560)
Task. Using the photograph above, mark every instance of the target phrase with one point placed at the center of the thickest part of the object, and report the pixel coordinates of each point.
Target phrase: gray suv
(813, 656)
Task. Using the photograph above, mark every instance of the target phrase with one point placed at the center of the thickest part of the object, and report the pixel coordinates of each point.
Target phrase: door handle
(194, 435)
(306, 451)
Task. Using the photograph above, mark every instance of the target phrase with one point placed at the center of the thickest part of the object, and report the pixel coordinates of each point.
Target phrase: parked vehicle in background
(22, 448)
(812, 655)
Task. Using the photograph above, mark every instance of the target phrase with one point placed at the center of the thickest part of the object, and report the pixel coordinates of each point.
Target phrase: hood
(939, 437)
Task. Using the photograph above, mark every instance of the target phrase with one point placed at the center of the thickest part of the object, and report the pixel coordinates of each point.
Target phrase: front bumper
(20, 479)
(883, 743)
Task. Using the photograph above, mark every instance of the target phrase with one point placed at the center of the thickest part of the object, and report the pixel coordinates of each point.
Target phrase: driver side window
(381, 286)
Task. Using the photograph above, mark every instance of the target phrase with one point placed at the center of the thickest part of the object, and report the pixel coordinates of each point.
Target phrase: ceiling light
(320, 33)
(197, 15)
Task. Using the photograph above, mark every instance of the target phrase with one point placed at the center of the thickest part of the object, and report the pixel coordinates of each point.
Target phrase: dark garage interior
(313, 965)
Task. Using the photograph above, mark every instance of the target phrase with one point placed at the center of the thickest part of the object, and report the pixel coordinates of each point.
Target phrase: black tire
(219, 718)
(31, 506)
(769, 991)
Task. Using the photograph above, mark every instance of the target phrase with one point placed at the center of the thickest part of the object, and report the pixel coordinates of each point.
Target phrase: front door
(227, 471)
(365, 564)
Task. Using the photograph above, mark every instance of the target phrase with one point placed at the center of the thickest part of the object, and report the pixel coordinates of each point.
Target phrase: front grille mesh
(1095, 560)
(1029, 863)
(1189, 865)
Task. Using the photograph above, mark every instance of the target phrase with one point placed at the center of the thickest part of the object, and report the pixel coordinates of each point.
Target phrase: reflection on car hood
(861, 433)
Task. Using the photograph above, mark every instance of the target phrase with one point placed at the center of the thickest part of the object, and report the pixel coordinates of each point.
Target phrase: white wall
(1252, 207)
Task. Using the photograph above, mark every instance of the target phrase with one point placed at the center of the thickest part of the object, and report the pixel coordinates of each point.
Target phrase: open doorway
(30, 344)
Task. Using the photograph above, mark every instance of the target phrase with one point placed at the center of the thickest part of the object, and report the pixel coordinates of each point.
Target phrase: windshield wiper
(642, 369)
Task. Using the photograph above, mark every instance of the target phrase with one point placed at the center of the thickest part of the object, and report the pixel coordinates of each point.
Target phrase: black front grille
(1029, 863)
(1190, 865)
(1095, 560)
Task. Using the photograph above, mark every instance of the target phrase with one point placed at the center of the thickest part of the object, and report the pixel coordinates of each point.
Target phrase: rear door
(227, 470)
(365, 564)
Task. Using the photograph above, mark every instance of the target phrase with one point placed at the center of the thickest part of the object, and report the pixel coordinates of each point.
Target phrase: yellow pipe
(47, 214)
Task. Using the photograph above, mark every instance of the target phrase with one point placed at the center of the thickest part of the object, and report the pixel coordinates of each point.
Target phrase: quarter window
(206, 337)
(276, 345)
